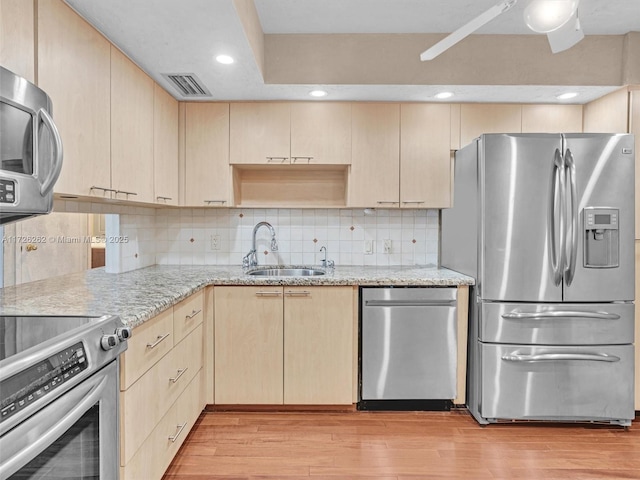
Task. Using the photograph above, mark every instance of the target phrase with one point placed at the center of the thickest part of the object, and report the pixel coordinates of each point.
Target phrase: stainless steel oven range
(59, 396)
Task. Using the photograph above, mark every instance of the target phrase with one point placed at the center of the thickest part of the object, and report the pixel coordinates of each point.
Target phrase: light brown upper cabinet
(260, 133)
(551, 118)
(74, 69)
(425, 155)
(165, 147)
(320, 133)
(131, 130)
(207, 170)
(375, 158)
(608, 114)
(479, 118)
(299, 133)
(17, 47)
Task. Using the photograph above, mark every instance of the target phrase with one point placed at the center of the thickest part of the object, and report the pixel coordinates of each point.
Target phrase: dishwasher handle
(410, 303)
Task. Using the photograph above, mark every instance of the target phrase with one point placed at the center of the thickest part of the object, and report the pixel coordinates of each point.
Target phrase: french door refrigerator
(545, 223)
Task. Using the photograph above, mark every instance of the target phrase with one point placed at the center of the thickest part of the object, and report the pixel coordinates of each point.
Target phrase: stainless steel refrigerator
(545, 223)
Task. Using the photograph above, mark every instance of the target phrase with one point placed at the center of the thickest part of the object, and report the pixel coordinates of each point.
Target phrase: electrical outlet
(215, 242)
(387, 245)
(368, 247)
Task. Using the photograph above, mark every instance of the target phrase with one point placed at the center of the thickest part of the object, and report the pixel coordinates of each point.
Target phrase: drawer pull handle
(268, 294)
(561, 314)
(302, 293)
(193, 314)
(387, 203)
(221, 202)
(551, 357)
(158, 340)
(180, 373)
(174, 437)
(418, 202)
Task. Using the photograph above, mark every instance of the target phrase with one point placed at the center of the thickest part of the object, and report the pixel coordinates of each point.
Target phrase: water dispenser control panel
(601, 243)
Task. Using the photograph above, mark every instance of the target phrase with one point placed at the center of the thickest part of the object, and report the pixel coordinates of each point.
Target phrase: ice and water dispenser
(601, 237)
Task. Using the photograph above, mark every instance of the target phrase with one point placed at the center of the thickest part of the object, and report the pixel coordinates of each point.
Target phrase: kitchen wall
(224, 236)
(138, 237)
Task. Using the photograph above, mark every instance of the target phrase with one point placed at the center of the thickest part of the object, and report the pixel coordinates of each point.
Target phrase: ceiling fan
(557, 18)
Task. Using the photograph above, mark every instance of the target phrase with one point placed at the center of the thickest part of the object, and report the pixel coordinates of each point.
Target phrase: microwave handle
(47, 185)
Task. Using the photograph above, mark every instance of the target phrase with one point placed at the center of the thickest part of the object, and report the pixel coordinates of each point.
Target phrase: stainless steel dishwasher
(408, 348)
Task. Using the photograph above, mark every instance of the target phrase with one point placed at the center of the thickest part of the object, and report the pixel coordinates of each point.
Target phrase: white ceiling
(171, 36)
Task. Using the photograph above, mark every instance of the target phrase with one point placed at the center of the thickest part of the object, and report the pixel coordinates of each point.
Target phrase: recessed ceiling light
(225, 59)
(566, 96)
(442, 95)
(318, 93)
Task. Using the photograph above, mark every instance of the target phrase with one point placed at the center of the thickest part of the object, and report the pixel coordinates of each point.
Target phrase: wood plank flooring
(400, 446)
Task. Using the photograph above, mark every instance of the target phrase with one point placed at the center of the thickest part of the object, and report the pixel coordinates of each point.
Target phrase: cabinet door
(318, 346)
(476, 119)
(320, 133)
(248, 345)
(74, 69)
(425, 156)
(260, 133)
(165, 147)
(131, 130)
(207, 175)
(17, 49)
(375, 161)
(551, 118)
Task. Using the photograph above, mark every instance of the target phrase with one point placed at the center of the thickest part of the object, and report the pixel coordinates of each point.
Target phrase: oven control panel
(41, 379)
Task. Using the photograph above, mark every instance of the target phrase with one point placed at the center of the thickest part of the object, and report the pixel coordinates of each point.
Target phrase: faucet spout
(250, 259)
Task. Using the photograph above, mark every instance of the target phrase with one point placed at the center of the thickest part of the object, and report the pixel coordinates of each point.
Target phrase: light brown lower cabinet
(161, 389)
(291, 345)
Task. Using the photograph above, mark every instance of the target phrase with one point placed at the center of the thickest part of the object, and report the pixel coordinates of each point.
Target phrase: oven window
(74, 456)
(16, 147)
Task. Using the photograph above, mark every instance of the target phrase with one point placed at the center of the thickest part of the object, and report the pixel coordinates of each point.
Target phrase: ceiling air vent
(187, 84)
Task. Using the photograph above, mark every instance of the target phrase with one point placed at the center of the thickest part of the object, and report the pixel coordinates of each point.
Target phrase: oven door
(75, 436)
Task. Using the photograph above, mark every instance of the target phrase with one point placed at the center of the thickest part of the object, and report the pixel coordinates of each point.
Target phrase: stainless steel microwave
(30, 149)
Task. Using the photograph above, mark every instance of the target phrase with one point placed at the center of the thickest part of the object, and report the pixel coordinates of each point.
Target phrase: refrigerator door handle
(554, 357)
(572, 226)
(560, 314)
(557, 253)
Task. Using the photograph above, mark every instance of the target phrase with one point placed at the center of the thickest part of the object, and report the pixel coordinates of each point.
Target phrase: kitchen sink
(286, 272)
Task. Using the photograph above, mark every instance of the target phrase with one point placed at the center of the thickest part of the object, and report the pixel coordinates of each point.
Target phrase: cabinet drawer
(563, 383)
(187, 315)
(147, 400)
(557, 324)
(158, 450)
(150, 342)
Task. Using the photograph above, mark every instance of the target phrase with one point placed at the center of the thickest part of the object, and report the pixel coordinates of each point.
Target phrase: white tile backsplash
(184, 237)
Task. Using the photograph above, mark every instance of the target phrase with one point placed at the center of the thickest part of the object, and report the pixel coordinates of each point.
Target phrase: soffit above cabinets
(366, 50)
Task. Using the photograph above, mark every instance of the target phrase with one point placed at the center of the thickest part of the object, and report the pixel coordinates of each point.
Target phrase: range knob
(107, 342)
(123, 333)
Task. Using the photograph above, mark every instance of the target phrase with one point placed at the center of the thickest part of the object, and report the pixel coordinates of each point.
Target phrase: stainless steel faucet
(250, 259)
(326, 263)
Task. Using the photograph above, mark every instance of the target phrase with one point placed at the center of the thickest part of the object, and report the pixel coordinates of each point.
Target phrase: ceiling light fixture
(225, 59)
(443, 95)
(318, 93)
(544, 16)
(567, 96)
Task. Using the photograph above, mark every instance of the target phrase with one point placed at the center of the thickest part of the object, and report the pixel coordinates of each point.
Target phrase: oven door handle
(42, 437)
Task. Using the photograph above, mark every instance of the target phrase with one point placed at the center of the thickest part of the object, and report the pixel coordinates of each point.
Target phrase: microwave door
(16, 148)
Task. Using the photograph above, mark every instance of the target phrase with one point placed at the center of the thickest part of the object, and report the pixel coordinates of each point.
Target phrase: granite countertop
(141, 294)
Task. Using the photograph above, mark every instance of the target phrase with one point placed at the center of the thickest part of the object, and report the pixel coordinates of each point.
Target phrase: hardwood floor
(400, 446)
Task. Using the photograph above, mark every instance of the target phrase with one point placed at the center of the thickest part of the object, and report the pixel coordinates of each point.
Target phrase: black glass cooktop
(18, 334)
